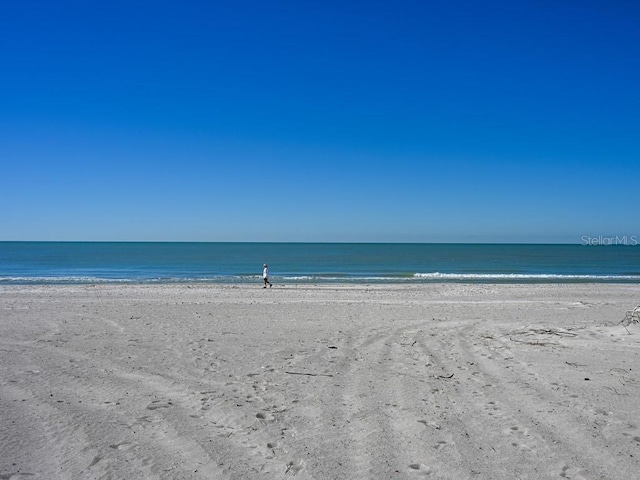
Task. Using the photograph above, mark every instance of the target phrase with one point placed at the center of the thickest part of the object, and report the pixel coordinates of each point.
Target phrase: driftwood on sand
(632, 316)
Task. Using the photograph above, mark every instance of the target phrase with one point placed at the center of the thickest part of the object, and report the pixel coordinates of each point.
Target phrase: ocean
(141, 262)
(309, 263)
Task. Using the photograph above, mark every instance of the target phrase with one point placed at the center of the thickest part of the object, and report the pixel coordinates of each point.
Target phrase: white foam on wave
(521, 276)
(62, 279)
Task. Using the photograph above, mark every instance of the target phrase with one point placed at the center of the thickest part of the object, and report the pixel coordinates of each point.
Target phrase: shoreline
(232, 381)
(400, 280)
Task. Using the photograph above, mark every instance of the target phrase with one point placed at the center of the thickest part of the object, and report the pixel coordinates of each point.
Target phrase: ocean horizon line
(601, 241)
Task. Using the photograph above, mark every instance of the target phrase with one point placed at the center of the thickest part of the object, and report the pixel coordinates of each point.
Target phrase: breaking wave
(525, 277)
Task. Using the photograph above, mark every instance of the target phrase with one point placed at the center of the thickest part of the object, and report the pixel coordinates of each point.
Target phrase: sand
(438, 381)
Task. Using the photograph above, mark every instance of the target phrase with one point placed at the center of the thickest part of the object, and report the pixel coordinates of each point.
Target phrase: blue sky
(419, 121)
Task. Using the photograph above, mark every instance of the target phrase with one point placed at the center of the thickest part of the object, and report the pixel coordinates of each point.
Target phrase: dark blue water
(92, 262)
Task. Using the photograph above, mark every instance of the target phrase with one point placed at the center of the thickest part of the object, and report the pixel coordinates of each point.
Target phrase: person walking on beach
(265, 276)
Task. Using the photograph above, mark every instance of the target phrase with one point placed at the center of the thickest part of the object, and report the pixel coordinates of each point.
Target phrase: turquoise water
(93, 262)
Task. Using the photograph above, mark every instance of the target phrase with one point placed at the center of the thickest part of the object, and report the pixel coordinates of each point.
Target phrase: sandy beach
(441, 381)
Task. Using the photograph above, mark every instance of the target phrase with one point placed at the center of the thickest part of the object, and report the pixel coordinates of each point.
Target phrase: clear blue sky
(319, 120)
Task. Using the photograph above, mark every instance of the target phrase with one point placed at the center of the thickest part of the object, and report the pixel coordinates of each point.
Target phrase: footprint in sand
(441, 444)
(294, 468)
(521, 433)
(493, 410)
(225, 431)
(421, 469)
(271, 450)
(155, 405)
(121, 446)
(265, 417)
(571, 472)
(433, 425)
